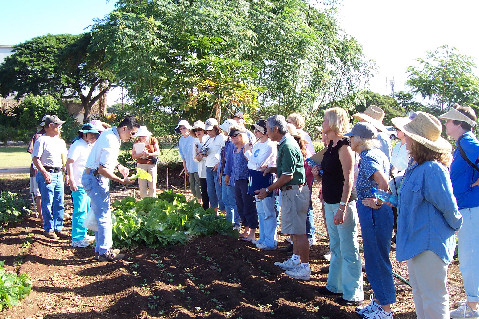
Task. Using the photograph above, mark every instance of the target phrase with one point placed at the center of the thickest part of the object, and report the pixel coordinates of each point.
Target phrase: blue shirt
(427, 213)
(385, 144)
(464, 175)
(371, 161)
(240, 166)
(186, 147)
(229, 151)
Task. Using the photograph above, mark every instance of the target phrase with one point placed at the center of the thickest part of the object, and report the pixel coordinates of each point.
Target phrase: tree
(62, 65)
(445, 77)
(202, 58)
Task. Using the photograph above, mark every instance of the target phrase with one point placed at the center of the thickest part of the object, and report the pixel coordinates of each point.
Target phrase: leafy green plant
(13, 288)
(12, 208)
(167, 220)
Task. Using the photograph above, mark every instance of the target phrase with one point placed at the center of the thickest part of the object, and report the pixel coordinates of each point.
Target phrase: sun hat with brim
(455, 115)
(199, 125)
(88, 128)
(210, 123)
(227, 125)
(143, 131)
(182, 123)
(364, 130)
(260, 126)
(373, 115)
(234, 132)
(425, 129)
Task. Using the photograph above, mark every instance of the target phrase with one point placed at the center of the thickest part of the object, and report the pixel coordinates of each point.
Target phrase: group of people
(262, 178)
(366, 183)
(87, 167)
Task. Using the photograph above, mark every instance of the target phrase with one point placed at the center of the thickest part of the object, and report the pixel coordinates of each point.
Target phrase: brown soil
(214, 277)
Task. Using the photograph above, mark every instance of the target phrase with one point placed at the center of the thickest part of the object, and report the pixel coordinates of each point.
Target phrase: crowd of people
(262, 177)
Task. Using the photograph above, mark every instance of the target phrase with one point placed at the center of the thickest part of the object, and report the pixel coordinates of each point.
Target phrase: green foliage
(12, 208)
(64, 66)
(199, 59)
(166, 220)
(445, 77)
(13, 288)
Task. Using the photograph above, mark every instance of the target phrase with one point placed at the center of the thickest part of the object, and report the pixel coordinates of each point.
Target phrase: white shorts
(34, 186)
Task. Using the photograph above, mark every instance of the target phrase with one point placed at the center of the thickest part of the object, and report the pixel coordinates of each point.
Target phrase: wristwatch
(267, 190)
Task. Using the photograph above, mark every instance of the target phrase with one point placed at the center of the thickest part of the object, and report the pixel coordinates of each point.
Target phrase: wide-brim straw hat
(373, 115)
(455, 115)
(425, 129)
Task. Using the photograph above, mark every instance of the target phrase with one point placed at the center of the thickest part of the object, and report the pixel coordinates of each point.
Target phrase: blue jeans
(310, 229)
(81, 206)
(214, 189)
(52, 201)
(376, 229)
(267, 221)
(345, 270)
(229, 199)
(468, 237)
(98, 189)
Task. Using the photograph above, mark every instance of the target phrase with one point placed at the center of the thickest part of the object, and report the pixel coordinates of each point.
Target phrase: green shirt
(290, 161)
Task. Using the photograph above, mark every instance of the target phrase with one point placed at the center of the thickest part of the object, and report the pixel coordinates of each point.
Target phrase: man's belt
(288, 187)
(88, 170)
(52, 169)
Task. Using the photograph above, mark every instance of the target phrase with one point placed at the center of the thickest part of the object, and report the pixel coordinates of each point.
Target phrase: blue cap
(88, 128)
(364, 130)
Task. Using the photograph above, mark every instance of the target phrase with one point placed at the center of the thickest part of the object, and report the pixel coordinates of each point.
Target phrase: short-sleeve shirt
(79, 152)
(371, 161)
(464, 175)
(49, 150)
(186, 148)
(214, 146)
(105, 151)
(290, 160)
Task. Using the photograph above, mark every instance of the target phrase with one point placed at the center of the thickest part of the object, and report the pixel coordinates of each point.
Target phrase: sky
(393, 33)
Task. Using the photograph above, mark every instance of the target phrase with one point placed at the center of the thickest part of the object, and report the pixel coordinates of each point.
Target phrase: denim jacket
(428, 215)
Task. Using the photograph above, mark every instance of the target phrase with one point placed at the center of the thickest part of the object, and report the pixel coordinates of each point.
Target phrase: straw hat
(425, 129)
(373, 115)
(455, 115)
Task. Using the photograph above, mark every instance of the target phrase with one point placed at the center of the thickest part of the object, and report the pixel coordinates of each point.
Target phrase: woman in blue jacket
(428, 216)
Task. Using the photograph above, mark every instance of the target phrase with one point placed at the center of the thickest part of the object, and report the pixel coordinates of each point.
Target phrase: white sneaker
(80, 243)
(464, 311)
(369, 308)
(288, 264)
(327, 256)
(380, 313)
(89, 239)
(300, 272)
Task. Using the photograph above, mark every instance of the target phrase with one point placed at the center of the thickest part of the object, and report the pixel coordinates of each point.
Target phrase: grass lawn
(14, 156)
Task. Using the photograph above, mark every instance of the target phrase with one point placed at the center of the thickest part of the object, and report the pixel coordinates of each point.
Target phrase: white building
(5, 50)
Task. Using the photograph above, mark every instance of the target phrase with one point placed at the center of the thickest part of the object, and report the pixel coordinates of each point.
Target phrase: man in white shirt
(99, 170)
(47, 154)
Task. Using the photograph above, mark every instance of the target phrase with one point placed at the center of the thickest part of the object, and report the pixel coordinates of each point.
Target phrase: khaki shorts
(294, 210)
(34, 186)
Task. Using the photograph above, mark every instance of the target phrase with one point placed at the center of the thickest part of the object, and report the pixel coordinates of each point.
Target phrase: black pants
(246, 204)
(204, 194)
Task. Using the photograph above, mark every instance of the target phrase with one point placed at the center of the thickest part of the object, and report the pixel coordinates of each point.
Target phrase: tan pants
(148, 188)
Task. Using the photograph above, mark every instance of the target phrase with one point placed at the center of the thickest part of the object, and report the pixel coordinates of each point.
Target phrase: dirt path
(213, 277)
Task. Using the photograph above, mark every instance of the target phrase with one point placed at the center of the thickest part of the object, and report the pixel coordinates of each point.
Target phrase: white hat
(182, 123)
(425, 129)
(239, 115)
(210, 123)
(227, 125)
(143, 131)
(199, 125)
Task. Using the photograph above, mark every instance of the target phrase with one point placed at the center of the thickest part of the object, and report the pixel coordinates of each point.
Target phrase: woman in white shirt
(199, 132)
(212, 148)
(77, 157)
(260, 156)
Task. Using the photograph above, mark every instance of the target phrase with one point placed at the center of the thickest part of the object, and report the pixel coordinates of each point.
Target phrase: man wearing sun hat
(465, 182)
(428, 215)
(375, 115)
